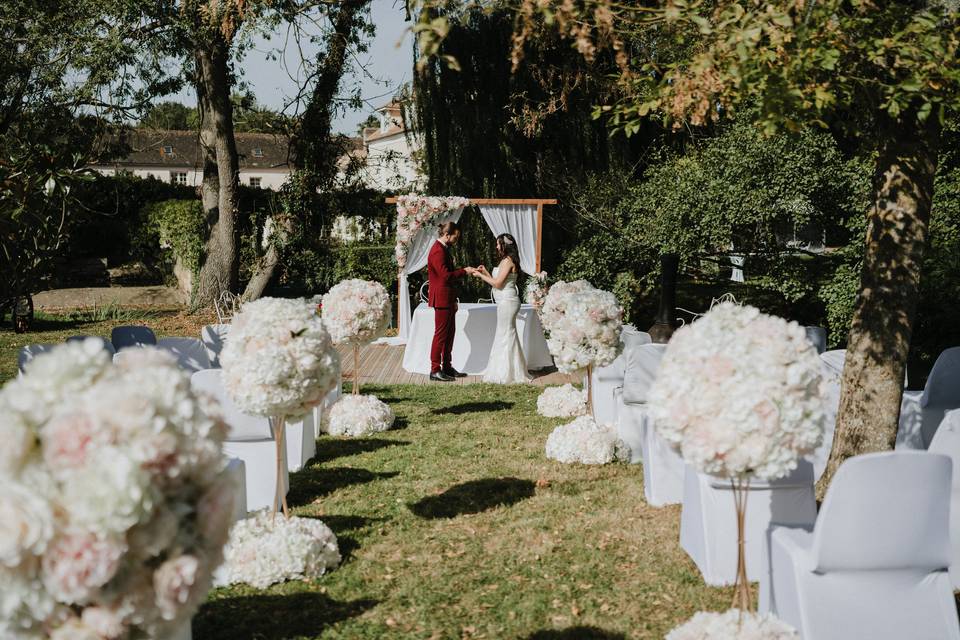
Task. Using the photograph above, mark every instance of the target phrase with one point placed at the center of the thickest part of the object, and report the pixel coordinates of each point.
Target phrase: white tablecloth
(476, 326)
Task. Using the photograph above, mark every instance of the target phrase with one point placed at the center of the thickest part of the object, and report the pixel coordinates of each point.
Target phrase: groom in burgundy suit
(443, 298)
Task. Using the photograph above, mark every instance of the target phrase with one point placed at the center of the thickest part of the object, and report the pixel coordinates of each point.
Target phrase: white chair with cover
(817, 337)
(922, 411)
(608, 379)
(320, 411)
(190, 353)
(946, 441)
(31, 351)
(132, 336)
(832, 368)
(708, 528)
(106, 344)
(249, 439)
(875, 564)
(213, 337)
(237, 471)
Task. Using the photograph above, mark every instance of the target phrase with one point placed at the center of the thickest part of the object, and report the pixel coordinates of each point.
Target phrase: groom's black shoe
(440, 376)
(453, 373)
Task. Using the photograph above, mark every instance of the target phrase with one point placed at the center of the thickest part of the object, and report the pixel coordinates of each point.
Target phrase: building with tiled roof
(390, 163)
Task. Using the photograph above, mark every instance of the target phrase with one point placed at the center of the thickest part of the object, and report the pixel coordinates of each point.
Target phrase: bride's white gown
(507, 364)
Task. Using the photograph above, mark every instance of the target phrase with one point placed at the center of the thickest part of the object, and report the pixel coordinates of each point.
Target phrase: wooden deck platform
(382, 364)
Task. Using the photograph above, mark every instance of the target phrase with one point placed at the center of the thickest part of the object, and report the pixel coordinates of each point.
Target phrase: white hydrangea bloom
(356, 416)
(278, 359)
(586, 442)
(565, 401)
(583, 325)
(740, 393)
(733, 625)
(265, 549)
(356, 311)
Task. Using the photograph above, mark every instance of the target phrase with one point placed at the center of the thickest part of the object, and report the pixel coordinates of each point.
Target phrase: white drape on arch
(520, 221)
(417, 259)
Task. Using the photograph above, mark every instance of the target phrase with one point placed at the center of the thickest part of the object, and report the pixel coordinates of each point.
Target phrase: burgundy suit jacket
(442, 291)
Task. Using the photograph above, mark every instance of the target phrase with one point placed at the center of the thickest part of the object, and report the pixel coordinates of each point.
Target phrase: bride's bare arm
(501, 280)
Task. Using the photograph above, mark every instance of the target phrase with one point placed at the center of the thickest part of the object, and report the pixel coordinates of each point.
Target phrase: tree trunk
(665, 323)
(316, 151)
(879, 340)
(220, 268)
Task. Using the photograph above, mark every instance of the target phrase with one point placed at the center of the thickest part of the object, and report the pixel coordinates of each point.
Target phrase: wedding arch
(417, 220)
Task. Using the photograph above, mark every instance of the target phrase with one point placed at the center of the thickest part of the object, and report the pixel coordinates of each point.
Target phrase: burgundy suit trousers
(445, 327)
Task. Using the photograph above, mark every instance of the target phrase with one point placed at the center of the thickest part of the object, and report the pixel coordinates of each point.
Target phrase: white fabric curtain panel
(417, 259)
(520, 221)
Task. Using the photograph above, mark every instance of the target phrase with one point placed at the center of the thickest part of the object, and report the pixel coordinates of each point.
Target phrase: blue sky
(388, 67)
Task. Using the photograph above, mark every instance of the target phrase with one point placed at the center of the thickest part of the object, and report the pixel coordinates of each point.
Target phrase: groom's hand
(470, 271)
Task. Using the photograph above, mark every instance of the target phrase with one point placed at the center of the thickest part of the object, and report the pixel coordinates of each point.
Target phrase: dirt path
(154, 296)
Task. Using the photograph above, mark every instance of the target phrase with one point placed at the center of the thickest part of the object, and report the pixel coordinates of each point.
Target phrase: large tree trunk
(316, 152)
(220, 269)
(879, 339)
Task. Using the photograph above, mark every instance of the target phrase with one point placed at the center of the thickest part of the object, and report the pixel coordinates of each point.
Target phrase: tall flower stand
(278, 425)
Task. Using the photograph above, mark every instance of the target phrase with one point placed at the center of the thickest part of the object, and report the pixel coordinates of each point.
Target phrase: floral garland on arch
(414, 212)
(116, 503)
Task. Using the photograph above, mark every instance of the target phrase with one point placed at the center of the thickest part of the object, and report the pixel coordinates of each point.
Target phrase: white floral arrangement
(116, 503)
(355, 416)
(733, 625)
(265, 550)
(586, 442)
(562, 402)
(583, 325)
(414, 212)
(356, 311)
(738, 393)
(278, 359)
(535, 292)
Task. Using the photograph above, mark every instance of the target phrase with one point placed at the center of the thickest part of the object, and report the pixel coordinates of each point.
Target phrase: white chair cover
(417, 255)
(607, 380)
(817, 337)
(922, 412)
(520, 221)
(833, 360)
(641, 363)
(31, 351)
(190, 353)
(708, 528)
(213, 337)
(875, 564)
(132, 336)
(832, 371)
(106, 344)
(946, 441)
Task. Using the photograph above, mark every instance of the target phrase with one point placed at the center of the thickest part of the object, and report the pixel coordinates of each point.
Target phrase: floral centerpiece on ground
(739, 394)
(733, 625)
(278, 362)
(414, 212)
(565, 401)
(535, 292)
(115, 504)
(586, 442)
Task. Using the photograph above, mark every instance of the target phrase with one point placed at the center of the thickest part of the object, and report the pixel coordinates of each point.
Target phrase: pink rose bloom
(67, 441)
(106, 623)
(79, 563)
(173, 583)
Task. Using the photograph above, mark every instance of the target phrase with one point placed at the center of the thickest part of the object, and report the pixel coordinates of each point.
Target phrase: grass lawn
(455, 525)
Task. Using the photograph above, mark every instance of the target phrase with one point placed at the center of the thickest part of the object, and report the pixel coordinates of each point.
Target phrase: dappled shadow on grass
(474, 407)
(315, 482)
(341, 525)
(271, 617)
(576, 633)
(332, 448)
(473, 497)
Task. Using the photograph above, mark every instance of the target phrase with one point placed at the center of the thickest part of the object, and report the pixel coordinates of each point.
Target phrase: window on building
(178, 177)
(167, 150)
(255, 182)
(257, 152)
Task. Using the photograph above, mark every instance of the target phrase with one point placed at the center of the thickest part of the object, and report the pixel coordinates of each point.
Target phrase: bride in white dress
(507, 364)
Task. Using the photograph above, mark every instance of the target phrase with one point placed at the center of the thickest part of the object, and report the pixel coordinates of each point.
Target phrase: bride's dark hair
(507, 248)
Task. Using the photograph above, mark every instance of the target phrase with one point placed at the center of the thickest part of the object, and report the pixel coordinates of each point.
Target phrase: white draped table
(476, 326)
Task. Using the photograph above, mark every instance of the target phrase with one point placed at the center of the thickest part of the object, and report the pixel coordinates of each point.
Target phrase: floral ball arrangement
(738, 392)
(278, 359)
(562, 402)
(733, 625)
(414, 212)
(264, 550)
(535, 293)
(356, 311)
(583, 324)
(355, 415)
(116, 504)
(586, 442)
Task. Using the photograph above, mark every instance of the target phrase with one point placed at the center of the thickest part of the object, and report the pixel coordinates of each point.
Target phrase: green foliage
(316, 269)
(180, 227)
